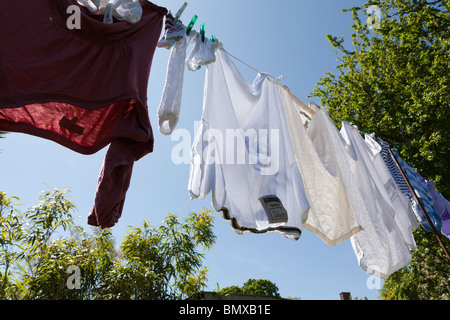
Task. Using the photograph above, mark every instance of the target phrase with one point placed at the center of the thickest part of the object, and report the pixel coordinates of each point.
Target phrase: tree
(395, 81)
(37, 262)
(161, 263)
(253, 287)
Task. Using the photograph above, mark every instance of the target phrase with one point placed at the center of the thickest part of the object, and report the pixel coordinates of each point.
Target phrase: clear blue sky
(279, 37)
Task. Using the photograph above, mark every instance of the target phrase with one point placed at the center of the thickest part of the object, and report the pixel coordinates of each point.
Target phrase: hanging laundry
(123, 10)
(424, 195)
(441, 205)
(201, 54)
(379, 246)
(399, 181)
(174, 31)
(332, 216)
(242, 154)
(404, 216)
(82, 88)
(170, 106)
(445, 215)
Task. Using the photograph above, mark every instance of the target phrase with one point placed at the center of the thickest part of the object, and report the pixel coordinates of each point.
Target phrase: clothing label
(274, 209)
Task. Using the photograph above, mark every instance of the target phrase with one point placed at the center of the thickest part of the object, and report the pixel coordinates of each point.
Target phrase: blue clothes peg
(191, 24)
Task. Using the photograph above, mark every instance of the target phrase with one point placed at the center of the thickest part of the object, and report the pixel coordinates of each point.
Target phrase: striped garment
(417, 184)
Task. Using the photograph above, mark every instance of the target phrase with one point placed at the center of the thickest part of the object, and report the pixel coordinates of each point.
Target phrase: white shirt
(379, 246)
(403, 214)
(243, 156)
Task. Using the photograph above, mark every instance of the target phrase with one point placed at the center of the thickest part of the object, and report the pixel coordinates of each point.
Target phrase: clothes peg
(213, 39)
(191, 24)
(202, 32)
(180, 12)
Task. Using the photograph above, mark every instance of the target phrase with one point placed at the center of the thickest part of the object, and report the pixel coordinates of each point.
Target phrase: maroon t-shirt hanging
(82, 88)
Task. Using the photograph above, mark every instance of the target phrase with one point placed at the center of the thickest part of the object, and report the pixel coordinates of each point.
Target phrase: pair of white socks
(203, 53)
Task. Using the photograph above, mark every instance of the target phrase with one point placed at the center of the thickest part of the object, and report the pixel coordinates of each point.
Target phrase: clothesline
(71, 113)
(246, 64)
(435, 231)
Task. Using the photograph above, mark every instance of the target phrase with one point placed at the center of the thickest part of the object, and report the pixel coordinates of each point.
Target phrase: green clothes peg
(191, 24)
(202, 31)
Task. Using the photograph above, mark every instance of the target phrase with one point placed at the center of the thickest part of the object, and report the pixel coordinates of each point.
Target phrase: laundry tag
(274, 209)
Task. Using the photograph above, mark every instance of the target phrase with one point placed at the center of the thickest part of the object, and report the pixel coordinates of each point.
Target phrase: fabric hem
(48, 135)
(329, 241)
(384, 276)
(291, 233)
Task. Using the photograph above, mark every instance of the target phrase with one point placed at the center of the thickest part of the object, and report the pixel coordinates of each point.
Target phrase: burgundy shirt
(82, 88)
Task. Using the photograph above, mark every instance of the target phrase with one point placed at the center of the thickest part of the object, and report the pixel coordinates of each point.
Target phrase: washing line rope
(331, 115)
(254, 69)
(241, 61)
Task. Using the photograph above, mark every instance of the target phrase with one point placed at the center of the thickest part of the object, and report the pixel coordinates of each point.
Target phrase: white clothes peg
(180, 12)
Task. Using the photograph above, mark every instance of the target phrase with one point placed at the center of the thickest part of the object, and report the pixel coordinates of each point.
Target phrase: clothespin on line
(191, 24)
(202, 31)
(177, 15)
(180, 12)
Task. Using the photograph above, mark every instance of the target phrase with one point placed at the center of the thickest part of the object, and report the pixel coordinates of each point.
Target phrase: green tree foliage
(253, 287)
(41, 250)
(395, 81)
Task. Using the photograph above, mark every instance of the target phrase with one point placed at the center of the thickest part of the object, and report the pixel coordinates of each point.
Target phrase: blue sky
(282, 37)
